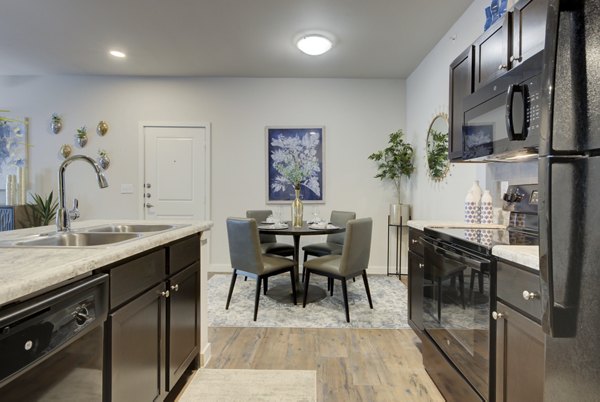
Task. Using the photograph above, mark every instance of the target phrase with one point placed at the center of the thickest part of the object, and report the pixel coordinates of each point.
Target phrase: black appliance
(460, 288)
(51, 345)
(501, 120)
(569, 173)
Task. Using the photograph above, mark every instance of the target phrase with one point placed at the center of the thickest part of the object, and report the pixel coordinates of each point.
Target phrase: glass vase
(297, 209)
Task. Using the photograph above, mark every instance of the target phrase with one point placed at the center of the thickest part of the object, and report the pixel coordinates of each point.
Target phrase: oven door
(456, 308)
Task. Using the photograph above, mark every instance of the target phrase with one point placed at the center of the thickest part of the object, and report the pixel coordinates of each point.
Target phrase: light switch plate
(126, 188)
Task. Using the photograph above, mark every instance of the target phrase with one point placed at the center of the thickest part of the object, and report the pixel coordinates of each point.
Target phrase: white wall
(427, 95)
(357, 114)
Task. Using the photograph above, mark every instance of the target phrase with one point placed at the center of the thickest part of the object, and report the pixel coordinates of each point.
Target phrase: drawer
(134, 277)
(512, 282)
(413, 241)
(184, 253)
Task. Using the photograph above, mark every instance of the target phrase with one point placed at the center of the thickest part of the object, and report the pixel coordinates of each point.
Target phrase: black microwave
(502, 119)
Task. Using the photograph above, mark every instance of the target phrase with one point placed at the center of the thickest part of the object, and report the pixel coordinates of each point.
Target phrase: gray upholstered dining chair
(353, 261)
(334, 242)
(247, 258)
(268, 242)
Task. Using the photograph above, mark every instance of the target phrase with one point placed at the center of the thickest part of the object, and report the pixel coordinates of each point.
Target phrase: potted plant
(43, 209)
(394, 162)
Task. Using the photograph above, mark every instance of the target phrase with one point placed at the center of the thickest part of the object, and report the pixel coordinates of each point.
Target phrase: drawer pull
(527, 295)
(502, 67)
(421, 265)
(414, 241)
(165, 294)
(175, 287)
(496, 316)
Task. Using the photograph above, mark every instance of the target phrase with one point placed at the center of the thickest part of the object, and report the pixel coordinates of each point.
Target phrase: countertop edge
(527, 256)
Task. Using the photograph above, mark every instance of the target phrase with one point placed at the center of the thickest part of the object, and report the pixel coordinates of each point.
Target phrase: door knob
(496, 315)
(175, 287)
(421, 265)
(148, 205)
(165, 294)
(527, 295)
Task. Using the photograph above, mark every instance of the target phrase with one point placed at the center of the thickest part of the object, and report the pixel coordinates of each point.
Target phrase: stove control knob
(496, 316)
(527, 295)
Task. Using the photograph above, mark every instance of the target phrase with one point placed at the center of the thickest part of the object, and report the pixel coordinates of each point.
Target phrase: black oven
(456, 306)
(502, 119)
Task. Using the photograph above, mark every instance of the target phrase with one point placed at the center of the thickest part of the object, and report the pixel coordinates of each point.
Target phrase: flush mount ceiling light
(314, 44)
(117, 53)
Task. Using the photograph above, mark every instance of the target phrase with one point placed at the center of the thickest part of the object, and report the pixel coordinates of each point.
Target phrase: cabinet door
(528, 29)
(461, 85)
(415, 290)
(491, 53)
(136, 348)
(183, 336)
(519, 357)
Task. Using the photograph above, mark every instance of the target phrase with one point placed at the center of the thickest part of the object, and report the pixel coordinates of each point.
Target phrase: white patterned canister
(487, 212)
(471, 208)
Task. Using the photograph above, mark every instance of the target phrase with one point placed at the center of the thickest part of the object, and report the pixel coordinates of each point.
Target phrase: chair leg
(345, 293)
(257, 296)
(233, 278)
(266, 285)
(306, 288)
(439, 303)
(364, 275)
(461, 283)
(331, 283)
(245, 278)
(480, 282)
(293, 285)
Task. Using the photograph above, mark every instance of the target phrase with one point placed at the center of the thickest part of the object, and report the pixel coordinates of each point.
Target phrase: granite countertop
(421, 225)
(525, 255)
(25, 270)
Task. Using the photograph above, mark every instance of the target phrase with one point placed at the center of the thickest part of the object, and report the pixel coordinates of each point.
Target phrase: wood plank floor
(351, 364)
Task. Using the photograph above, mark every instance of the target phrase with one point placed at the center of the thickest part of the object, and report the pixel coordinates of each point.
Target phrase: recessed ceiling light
(314, 44)
(117, 53)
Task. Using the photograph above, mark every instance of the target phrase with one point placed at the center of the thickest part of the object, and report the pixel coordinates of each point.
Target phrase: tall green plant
(43, 209)
(395, 161)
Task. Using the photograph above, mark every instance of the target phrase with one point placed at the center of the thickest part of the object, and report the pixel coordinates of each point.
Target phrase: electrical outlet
(126, 188)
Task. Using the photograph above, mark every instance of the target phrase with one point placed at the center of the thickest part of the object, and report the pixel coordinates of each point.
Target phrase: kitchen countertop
(421, 225)
(524, 255)
(26, 270)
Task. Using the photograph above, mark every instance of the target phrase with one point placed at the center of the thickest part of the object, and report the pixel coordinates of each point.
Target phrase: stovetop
(482, 240)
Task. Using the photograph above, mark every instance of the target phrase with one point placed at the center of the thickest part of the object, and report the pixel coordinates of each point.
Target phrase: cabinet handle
(421, 265)
(165, 294)
(175, 287)
(414, 241)
(502, 67)
(148, 205)
(496, 316)
(527, 295)
(517, 58)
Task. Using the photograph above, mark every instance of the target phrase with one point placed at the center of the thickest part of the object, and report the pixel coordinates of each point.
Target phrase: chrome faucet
(63, 217)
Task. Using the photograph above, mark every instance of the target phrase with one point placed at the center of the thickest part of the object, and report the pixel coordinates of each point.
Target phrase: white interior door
(176, 181)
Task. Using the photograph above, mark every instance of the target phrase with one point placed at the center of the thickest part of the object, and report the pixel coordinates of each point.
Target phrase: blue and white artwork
(13, 148)
(295, 155)
(494, 12)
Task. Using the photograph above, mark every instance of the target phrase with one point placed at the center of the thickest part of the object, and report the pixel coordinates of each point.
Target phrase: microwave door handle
(510, 127)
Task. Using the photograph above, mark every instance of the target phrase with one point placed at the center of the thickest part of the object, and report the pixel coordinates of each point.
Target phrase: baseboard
(373, 269)
(205, 355)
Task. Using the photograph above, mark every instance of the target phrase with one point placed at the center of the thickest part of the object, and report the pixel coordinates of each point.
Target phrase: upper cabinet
(528, 29)
(461, 85)
(491, 52)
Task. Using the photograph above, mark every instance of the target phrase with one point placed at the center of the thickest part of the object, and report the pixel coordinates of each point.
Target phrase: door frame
(142, 160)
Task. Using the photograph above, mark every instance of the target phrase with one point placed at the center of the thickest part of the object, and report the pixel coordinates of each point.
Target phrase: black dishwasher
(51, 345)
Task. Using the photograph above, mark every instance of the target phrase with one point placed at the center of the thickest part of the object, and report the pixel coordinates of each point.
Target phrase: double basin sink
(96, 236)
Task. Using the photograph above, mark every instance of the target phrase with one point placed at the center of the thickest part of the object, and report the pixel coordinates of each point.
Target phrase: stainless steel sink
(77, 239)
(133, 228)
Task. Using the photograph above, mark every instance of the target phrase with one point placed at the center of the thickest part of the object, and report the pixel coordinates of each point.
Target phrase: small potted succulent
(56, 124)
(81, 137)
(103, 159)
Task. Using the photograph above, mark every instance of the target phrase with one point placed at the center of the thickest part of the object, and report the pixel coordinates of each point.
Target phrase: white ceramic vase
(486, 210)
(471, 208)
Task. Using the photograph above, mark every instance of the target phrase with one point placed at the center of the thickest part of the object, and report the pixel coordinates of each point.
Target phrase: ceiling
(225, 38)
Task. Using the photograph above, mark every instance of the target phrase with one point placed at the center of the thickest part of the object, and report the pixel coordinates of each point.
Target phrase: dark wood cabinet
(519, 336)
(461, 85)
(491, 53)
(136, 348)
(528, 29)
(183, 322)
(153, 329)
(415, 281)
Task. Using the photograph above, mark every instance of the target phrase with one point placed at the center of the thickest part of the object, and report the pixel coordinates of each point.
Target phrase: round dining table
(282, 293)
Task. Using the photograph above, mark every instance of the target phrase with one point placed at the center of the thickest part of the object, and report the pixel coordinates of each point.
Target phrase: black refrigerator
(569, 174)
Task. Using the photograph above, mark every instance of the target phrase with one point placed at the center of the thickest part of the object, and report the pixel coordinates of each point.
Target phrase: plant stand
(398, 228)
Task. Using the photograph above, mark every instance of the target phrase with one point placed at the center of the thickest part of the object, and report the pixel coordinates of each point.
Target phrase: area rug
(217, 385)
(388, 293)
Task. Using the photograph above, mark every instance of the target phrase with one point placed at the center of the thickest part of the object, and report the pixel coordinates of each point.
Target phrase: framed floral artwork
(295, 159)
(13, 147)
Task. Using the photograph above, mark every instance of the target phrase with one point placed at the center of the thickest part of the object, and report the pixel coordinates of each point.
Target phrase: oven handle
(471, 261)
